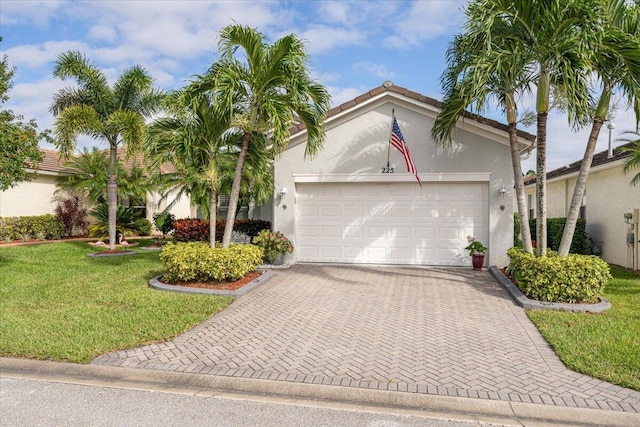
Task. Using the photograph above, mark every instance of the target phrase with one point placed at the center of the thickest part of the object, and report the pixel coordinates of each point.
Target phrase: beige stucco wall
(29, 198)
(609, 196)
(356, 144)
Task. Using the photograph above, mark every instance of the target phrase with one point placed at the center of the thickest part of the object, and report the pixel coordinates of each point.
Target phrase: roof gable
(389, 87)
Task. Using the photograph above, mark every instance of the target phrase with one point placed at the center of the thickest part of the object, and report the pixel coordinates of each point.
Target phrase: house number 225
(387, 170)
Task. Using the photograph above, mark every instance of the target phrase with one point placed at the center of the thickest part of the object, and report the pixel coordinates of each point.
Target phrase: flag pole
(393, 114)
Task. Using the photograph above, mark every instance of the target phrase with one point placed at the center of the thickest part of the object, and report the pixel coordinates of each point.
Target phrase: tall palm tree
(115, 114)
(557, 34)
(272, 87)
(203, 150)
(632, 161)
(480, 69)
(616, 61)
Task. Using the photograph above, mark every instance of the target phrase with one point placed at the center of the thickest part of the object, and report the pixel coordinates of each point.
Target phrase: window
(583, 206)
(531, 205)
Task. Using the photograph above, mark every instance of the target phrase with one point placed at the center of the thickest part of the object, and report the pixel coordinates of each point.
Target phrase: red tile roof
(390, 87)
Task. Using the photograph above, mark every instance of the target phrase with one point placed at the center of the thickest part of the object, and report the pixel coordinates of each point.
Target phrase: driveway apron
(441, 331)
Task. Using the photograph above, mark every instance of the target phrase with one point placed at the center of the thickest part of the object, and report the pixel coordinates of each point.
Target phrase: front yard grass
(58, 304)
(607, 345)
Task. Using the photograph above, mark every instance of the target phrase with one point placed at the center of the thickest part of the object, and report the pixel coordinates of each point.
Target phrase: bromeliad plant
(273, 244)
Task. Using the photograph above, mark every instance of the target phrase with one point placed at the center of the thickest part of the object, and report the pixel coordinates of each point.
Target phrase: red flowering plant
(273, 244)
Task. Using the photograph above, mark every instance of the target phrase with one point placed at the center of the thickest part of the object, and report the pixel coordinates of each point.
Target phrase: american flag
(397, 140)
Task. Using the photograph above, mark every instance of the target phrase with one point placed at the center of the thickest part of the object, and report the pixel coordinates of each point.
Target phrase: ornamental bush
(573, 279)
(197, 230)
(555, 228)
(25, 227)
(197, 262)
(273, 244)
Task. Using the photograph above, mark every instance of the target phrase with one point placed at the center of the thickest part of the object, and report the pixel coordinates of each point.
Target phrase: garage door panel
(395, 223)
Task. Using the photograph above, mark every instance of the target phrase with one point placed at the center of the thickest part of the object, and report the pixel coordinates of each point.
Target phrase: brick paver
(451, 332)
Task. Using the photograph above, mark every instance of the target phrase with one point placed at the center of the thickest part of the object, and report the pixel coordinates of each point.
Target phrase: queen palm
(479, 70)
(272, 86)
(114, 114)
(196, 139)
(557, 36)
(616, 61)
(632, 161)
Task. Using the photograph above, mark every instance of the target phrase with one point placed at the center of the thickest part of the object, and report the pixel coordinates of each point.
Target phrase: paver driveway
(438, 331)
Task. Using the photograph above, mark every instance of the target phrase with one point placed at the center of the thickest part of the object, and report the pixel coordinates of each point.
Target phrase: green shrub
(197, 262)
(555, 228)
(164, 222)
(574, 278)
(24, 227)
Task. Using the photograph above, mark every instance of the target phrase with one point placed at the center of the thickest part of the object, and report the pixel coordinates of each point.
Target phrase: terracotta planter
(477, 260)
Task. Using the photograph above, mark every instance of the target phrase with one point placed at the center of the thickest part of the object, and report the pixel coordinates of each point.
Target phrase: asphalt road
(25, 402)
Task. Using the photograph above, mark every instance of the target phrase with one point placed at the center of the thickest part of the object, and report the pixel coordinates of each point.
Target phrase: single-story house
(344, 207)
(608, 198)
(38, 196)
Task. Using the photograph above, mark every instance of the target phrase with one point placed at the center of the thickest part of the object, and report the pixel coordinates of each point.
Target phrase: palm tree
(114, 114)
(264, 94)
(616, 60)
(87, 175)
(192, 138)
(632, 162)
(557, 35)
(479, 70)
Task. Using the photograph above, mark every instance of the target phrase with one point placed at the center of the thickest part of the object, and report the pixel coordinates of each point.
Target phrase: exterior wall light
(283, 192)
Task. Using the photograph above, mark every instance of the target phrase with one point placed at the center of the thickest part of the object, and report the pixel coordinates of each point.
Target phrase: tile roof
(599, 159)
(390, 87)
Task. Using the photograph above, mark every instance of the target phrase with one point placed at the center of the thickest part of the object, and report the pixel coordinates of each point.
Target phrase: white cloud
(377, 70)
(35, 12)
(323, 38)
(35, 56)
(340, 95)
(426, 20)
(102, 32)
(335, 12)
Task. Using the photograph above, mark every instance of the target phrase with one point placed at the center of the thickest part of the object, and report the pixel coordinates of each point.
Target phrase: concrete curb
(311, 394)
(112, 254)
(264, 277)
(530, 304)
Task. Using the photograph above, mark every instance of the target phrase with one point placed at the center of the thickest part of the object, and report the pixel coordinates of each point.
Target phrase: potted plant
(476, 250)
(274, 245)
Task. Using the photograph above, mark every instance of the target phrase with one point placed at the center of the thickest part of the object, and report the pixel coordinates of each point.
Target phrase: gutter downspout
(525, 153)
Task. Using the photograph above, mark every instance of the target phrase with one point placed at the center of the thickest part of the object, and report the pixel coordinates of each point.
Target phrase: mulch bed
(227, 286)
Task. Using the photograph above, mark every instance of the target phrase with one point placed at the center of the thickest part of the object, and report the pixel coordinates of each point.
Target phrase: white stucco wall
(356, 144)
(30, 198)
(609, 196)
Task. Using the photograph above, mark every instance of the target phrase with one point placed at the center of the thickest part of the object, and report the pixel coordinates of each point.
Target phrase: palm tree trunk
(235, 190)
(525, 231)
(585, 166)
(213, 204)
(541, 185)
(112, 194)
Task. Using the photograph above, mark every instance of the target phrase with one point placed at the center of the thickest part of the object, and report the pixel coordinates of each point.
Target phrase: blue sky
(353, 47)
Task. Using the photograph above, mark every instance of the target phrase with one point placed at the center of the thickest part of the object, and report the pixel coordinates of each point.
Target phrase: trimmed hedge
(40, 227)
(573, 279)
(197, 262)
(197, 230)
(555, 228)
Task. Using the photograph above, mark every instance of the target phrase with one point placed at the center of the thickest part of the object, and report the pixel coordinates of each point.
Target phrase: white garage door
(389, 223)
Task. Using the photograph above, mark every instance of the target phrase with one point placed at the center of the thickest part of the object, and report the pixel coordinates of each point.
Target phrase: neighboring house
(37, 197)
(341, 208)
(608, 198)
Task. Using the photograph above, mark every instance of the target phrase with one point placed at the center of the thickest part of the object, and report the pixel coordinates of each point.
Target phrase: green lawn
(58, 304)
(607, 345)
